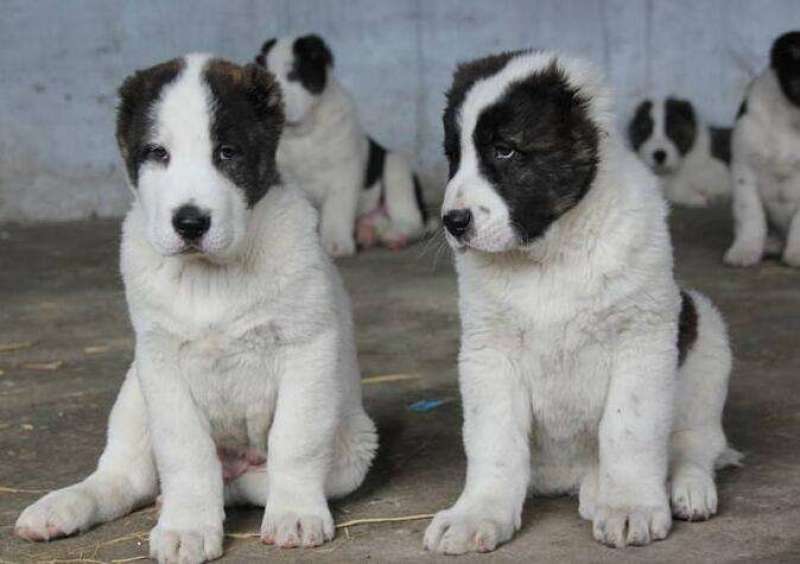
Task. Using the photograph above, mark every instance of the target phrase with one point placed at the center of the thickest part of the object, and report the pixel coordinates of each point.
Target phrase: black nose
(190, 223)
(457, 221)
(659, 156)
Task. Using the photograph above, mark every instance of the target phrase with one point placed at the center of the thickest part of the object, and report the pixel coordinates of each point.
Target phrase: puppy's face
(785, 61)
(301, 66)
(198, 136)
(522, 149)
(662, 133)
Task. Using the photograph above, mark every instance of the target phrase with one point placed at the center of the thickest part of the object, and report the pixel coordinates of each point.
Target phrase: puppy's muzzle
(191, 223)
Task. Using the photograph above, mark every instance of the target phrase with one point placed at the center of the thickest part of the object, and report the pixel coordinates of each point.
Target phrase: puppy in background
(689, 156)
(583, 367)
(245, 386)
(359, 187)
(766, 161)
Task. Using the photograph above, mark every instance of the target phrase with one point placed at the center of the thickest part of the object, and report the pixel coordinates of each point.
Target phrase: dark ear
(314, 49)
(640, 125)
(136, 96)
(264, 92)
(683, 108)
(261, 58)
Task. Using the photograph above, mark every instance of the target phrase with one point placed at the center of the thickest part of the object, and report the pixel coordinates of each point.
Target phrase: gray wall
(61, 61)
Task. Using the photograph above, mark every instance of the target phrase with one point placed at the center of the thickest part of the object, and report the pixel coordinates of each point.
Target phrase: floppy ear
(261, 58)
(264, 93)
(314, 49)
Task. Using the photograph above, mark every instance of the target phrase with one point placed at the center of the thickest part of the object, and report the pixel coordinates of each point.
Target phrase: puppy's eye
(503, 152)
(227, 152)
(156, 153)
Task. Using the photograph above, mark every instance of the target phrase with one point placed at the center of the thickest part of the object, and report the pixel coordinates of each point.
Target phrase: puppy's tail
(404, 199)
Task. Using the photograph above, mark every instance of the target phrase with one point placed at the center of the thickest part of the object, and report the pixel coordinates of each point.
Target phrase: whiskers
(436, 245)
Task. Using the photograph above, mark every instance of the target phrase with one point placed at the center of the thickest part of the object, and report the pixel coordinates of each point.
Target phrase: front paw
(187, 546)
(339, 244)
(58, 514)
(791, 256)
(744, 253)
(620, 525)
(287, 526)
(694, 496)
(456, 531)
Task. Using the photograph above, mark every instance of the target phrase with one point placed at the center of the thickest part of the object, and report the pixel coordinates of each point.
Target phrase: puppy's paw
(339, 246)
(618, 526)
(185, 546)
(744, 253)
(456, 531)
(288, 527)
(58, 514)
(791, 256)
(693, 496)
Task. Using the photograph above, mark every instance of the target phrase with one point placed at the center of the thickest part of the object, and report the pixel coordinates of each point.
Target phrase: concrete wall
(62, 60)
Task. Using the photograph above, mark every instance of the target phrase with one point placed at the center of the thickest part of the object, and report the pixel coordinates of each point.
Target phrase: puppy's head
(662, 132)
(198, 136)
(522, 134)
(301, 66)
(785, 61)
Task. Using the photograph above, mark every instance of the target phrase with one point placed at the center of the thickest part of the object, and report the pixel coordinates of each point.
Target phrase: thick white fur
(324, 150)
(766, 176)
(696, 179)
(251, 350)
(568, 361)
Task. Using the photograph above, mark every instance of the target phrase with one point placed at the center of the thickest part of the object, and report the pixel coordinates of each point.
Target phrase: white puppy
(245, 386)
(766, 161)
(583, 367)
(357, 184)
(689, 156)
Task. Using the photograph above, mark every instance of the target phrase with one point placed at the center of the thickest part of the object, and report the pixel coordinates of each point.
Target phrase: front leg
(750, 219)
(791, 253)
(496, 425)
(631, 505)
(189, 528)
(338, 216)
(301, 443)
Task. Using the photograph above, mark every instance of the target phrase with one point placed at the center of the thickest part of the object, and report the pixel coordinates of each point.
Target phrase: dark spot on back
(721, 143)
(375, 163)
(247, 115)
(680, 124)
(465, 77)
(546, 121)
(687, 327)
(641, 126)
(134, 119)
(311, 61)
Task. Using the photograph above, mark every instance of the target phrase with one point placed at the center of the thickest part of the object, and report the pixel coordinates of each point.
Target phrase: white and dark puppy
(583, 367)
(358, 186)
(690, 157)
(766, 161)
(245, 386)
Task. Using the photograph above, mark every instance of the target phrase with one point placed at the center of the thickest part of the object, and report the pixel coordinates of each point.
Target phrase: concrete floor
(60, 290)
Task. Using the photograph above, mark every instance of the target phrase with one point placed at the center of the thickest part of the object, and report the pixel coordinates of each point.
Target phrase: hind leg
(124, 480)
(697, 440)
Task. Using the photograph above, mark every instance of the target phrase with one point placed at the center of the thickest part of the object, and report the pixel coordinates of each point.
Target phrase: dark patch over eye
(155, 153)
(641, 126)
(227, 152)
(680, 124)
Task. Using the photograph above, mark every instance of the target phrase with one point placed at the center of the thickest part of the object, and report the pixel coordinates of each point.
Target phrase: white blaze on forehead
(183, 116)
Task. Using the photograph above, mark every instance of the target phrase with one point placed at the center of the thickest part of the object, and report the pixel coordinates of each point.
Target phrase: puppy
(583, 367)
(357, 184)
(689, 156)
(766, 161)
(245, 386)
